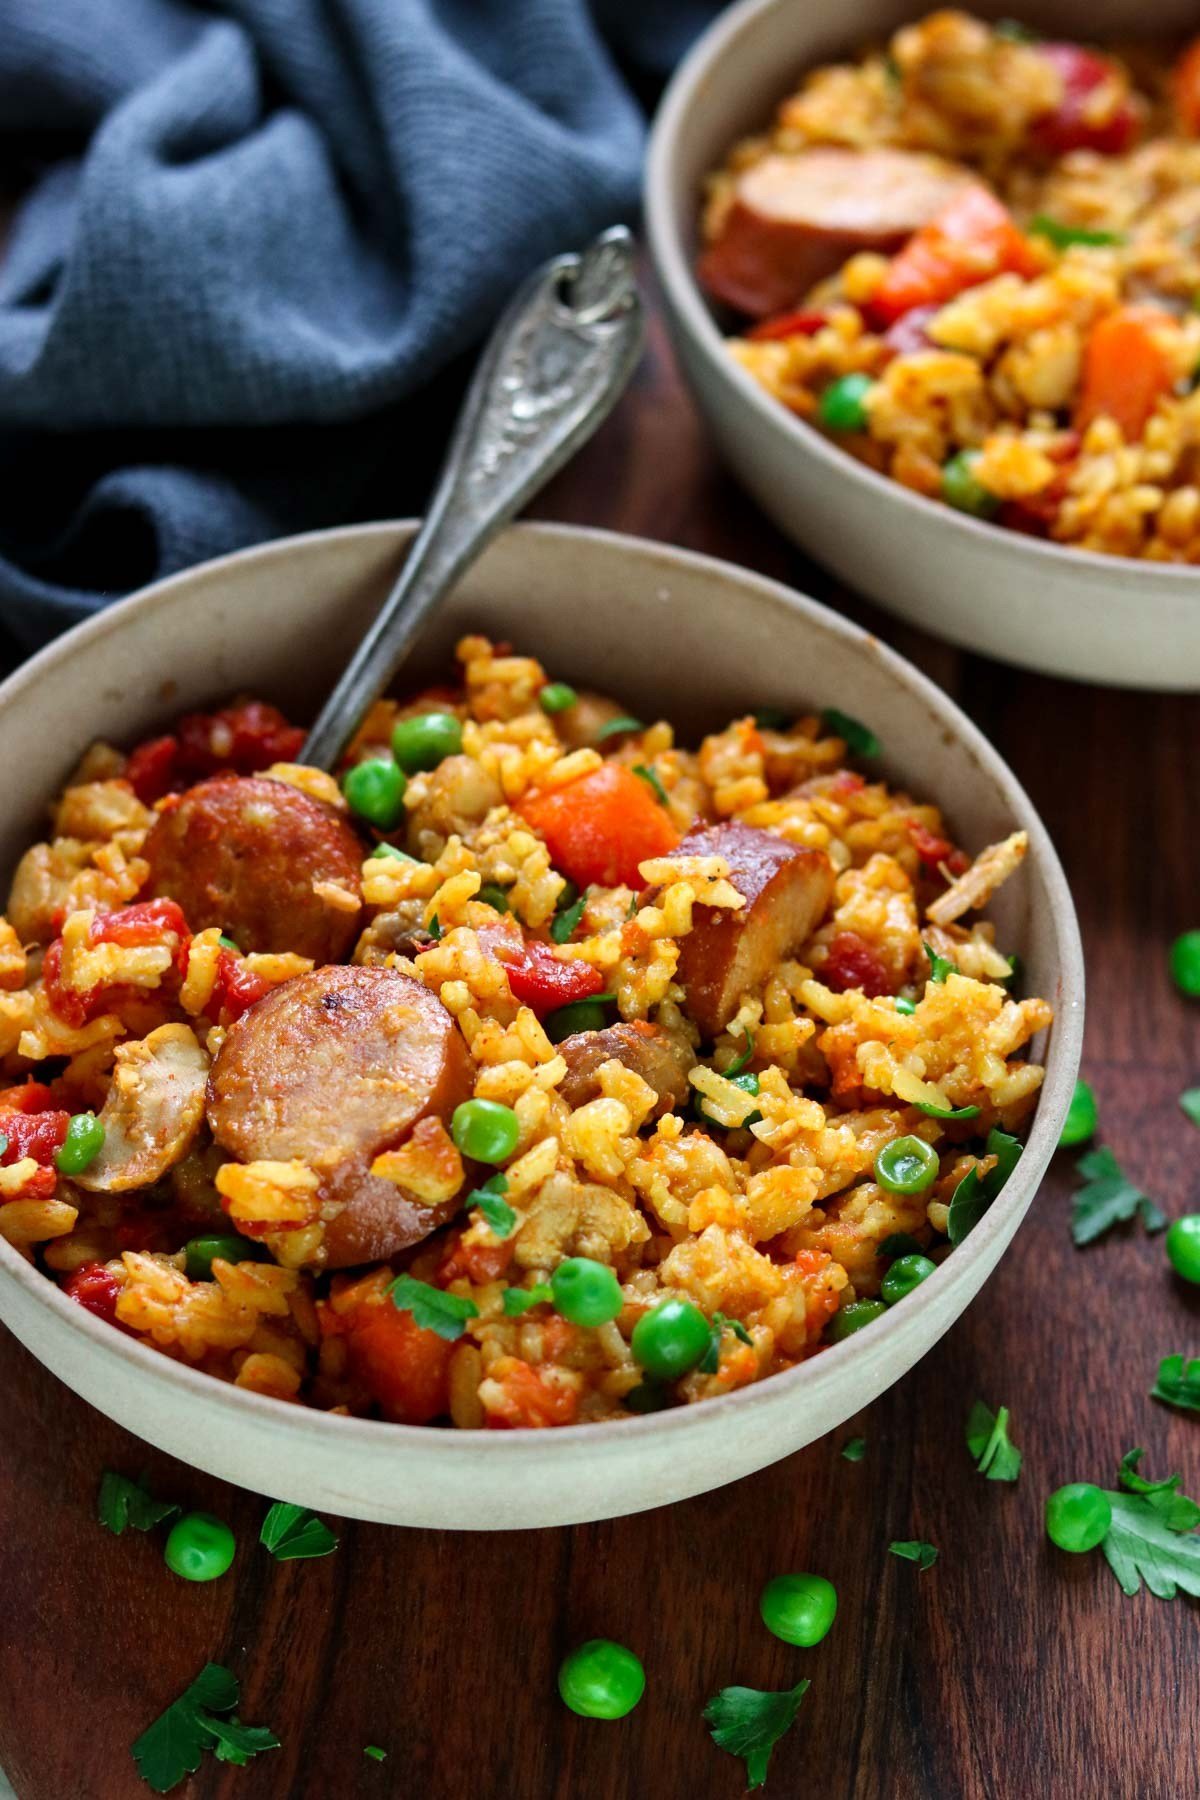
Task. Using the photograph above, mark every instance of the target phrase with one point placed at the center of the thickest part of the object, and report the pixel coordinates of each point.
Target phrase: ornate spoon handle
(552, 371)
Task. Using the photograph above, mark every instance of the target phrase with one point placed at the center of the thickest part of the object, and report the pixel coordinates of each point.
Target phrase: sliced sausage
(787, 890)
(332, 1069)
(662, 1058)
(247, 854)
(795, 219)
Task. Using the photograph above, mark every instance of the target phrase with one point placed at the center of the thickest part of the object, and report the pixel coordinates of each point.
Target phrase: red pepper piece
(852, 963)
(95, 1288)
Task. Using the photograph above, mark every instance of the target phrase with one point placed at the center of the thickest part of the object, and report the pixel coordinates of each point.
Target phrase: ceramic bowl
(1067, 612)
(676, 636)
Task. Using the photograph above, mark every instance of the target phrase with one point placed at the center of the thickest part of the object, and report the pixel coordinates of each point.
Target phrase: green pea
(905, 1274)
(671, 1339)
(199, 1547)
(1183, 1246)
(1080, 1122)
(798, 1608)
(962, 489)
(841, 408)
(586, 1292)
(202, 1251)
(485, 1130)
(1185, 964)
(493, 896)
(556, 697)
(580, 1015)
(601, 1680)
(82, 1144)
(907, 1165)
(375, 791)
(1078, 1516)
(852, 1317)
(425, 740)
(748, 1083)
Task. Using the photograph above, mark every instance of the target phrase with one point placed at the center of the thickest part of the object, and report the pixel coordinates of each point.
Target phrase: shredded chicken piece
(991, 868)
(153, 1110)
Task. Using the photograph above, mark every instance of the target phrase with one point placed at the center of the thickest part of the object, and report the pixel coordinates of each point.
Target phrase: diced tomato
(235, 990)
(246, 738)
(95, 1288)
(541, 980)
(972, 239)
(852, 963)
(477, 1262)
(406, 1369)
(909, 332)
(805, 321)
(32, 1134)
(526, 1398)
(153, 769)
(1185, 88)
(600, 828)
(1074, 125)
(847, 781)
(934, 850)
(30, 1097)
(1125, 370)
(146, 922)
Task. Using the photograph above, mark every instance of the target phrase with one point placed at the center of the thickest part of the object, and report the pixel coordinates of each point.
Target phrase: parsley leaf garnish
(968, 1203)
(650, 777)
(435, 928)
(122, 1502)
(1189, 1100)
(565, 923)
(939, 966)
(498, 1213)
(952, 1112)
(1107, 1198)
(996, 1456)
(900, 1244)
(1180, 1513)
(913, 1550)
(292, 1532)
(854, 1449)
(710, 1361)
(519, 1300)
(1063, 236)
(740, 1062)
(616, 727)
(1178, 1383)
(1151, 1538)
(432, 1308)
(1007, 1151)
(374, 1752)
(171, 1748)
(858, 737)
(749, 1723)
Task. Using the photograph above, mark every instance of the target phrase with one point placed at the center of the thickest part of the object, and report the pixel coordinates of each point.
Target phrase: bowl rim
(694, 315)
(814, 1373)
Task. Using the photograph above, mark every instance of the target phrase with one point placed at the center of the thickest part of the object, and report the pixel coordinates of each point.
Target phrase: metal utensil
(553, 369)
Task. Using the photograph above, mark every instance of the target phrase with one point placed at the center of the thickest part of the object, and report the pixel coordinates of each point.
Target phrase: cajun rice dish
(537, 1071)
(972, 259)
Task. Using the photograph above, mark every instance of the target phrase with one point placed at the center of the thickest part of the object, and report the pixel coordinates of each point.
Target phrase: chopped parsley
(432, 1308)
(122, 1503)
(374, 1752)
(1007, 1151)
(952, 1112)
(913, 1550)
(749, 1723)
(171, 1748)
(227, 943)
(975, 1193)
(394, 852)
(1189, 1100)
(1107, 1198)
(858, 737)
(710, 1361)
(616, 727)
(565, 923)
(905, 1005)
(854, 1449)
(1152, 1538)
(1178, 1383)
(293, 1533)
(996, 1456)
(1063, 236)
(939, 966)
(650, 777)
(900, 1244)
(498, 1213)
(519, 1300)
(736, 1067)
(435, 928)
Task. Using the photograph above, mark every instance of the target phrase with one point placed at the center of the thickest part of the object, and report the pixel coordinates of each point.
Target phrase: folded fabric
(254, 234)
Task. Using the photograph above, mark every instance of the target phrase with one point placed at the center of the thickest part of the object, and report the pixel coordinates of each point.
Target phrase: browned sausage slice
(332, 1069)
(787, 889)
(795, 219)
(245, 853)
(662, 1058)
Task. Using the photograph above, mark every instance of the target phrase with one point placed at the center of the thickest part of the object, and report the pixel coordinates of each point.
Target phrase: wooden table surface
(1008, 1671)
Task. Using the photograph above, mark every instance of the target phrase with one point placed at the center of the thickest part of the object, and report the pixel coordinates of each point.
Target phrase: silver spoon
(553, 369)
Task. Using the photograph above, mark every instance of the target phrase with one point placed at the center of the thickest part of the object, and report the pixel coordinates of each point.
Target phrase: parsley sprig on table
(1178, 1383)
(293, 1532)
(171, 1748)
(1152, 1537)
(749, 1722)
(996, 1456)
(1107, 1198)
(122, 1503)
(913, 1550)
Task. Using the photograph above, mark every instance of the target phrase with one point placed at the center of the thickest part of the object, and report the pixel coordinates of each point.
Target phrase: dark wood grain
(1007, 1672)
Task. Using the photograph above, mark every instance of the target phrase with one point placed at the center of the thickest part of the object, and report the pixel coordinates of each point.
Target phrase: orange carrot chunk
(1125, 370)
(972, 239)
(599, 828)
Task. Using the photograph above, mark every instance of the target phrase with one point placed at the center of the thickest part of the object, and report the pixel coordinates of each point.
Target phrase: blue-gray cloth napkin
(250, 237)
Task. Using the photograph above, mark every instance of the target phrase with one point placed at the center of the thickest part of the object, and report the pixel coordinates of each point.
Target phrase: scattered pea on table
(601, 1680)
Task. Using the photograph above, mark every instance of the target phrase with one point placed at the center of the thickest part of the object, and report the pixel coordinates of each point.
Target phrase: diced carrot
(599, 828)
(1185, 88)
(522, 1396)
(406, 1368)
(972, 239)
(1125, 370)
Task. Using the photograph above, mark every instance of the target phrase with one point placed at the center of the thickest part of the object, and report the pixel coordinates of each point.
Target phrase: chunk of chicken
(153, 1111)
(576, 1218)
(991, 868)
(662, 1059)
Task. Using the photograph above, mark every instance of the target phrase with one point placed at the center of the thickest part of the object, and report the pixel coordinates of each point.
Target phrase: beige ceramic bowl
(673, 635)
(1067, 612)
